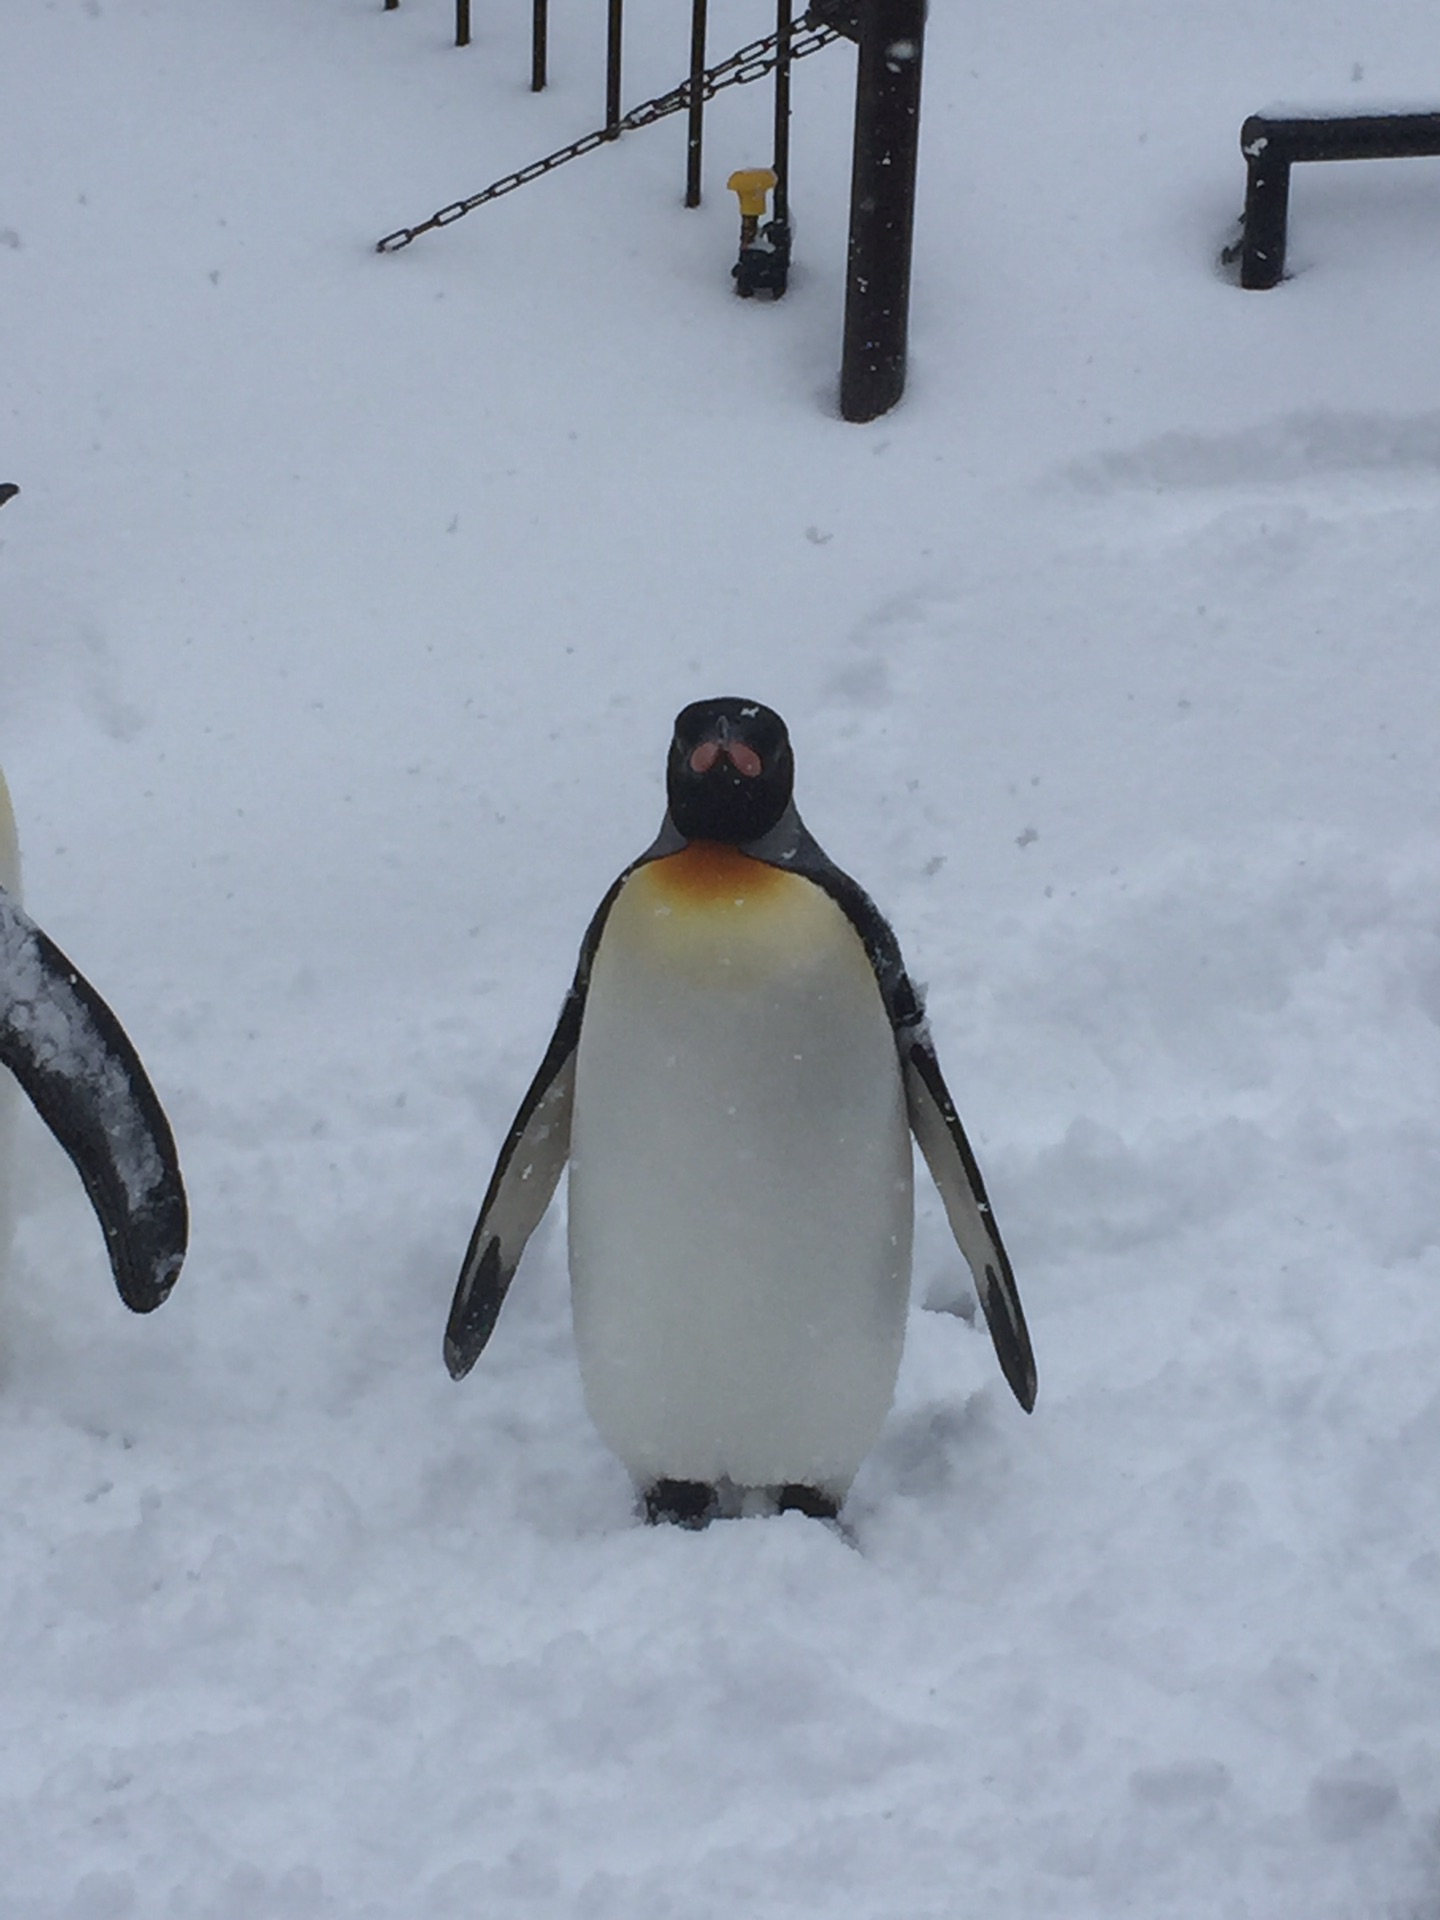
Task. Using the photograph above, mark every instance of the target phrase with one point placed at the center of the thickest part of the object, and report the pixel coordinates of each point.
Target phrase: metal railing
(891, 36)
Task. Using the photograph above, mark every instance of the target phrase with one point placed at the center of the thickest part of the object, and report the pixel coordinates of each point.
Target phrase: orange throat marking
(709, 873)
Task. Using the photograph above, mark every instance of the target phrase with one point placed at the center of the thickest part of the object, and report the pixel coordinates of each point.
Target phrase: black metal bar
(1346, 136)
(1267, 206)
(696, 137)
(462, 23)
(1272, 144)
(612, 69)
(882, 207)
(539, 44)
(781, 162)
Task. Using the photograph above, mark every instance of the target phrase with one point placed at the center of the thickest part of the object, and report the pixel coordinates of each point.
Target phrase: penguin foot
(795, 1498)
(684, 1503)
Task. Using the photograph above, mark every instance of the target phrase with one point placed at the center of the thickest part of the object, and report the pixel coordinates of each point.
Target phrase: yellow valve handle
(752, 184)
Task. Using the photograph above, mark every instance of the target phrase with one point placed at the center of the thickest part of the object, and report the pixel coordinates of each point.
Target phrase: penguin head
(730, 773)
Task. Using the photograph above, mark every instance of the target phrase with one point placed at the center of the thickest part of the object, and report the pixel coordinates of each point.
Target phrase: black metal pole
(1273, 143)
(882, 206)
(539, 43)
(781, 202)
(612, 70)
(1267, 207)
(696, 135)
(462, 23)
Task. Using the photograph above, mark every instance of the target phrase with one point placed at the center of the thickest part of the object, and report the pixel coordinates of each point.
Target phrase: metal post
(462, 23)
(697, 103)
(1267, 208)
(612, 70)
(539, 41)
(882, 206)
(781, 202)
(1273, 143)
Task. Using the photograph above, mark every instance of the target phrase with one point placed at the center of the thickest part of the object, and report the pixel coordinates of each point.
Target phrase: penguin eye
(705, 756)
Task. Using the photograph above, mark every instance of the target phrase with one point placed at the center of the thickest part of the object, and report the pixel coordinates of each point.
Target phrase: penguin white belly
(740, 1181)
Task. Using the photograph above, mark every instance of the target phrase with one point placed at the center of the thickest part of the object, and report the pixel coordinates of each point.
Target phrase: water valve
(764, 263)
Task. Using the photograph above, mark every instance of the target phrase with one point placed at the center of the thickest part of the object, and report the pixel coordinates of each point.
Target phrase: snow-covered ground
(343, 615)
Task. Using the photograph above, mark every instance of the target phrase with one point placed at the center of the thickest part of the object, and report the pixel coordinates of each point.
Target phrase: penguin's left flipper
(525, 1177)
(933, 1119)
(84, 1079)
(937, 1128)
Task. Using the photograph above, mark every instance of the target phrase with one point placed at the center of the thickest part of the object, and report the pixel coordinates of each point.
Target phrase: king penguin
(737, 1070)
(73, 1060)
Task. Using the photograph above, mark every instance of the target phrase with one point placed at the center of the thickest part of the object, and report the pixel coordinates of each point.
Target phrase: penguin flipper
(952, 1164)
(84, 1078)
(530, 1164)
(525, 1177)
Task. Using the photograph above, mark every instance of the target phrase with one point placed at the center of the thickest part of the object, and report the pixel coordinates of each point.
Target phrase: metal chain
(750, 63)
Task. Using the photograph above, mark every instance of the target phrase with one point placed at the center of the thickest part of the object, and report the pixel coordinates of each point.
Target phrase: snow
(346, 606)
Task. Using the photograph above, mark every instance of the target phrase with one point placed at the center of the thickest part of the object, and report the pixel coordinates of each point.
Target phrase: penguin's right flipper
(525, 1177)
(84, 1079)
(530, 1164)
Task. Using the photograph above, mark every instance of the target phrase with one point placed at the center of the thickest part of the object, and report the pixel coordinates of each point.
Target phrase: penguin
(734, 1079)
(69, 1054)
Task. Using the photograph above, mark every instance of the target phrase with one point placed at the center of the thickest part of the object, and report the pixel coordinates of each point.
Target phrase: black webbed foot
(684, 1503)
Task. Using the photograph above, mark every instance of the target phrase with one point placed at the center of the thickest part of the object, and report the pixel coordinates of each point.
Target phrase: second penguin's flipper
(73, 1060)
(937, 1128)
(526, 1175)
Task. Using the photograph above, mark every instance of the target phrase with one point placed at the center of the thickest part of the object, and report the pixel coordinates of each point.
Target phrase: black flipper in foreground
(73, 1060)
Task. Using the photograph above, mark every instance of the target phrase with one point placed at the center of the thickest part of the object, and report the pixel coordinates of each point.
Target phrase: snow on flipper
(952, 1164)
(73, 1060)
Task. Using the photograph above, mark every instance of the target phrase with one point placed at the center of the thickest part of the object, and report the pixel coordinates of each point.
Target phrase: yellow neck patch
(709, 914)
(707, 873)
